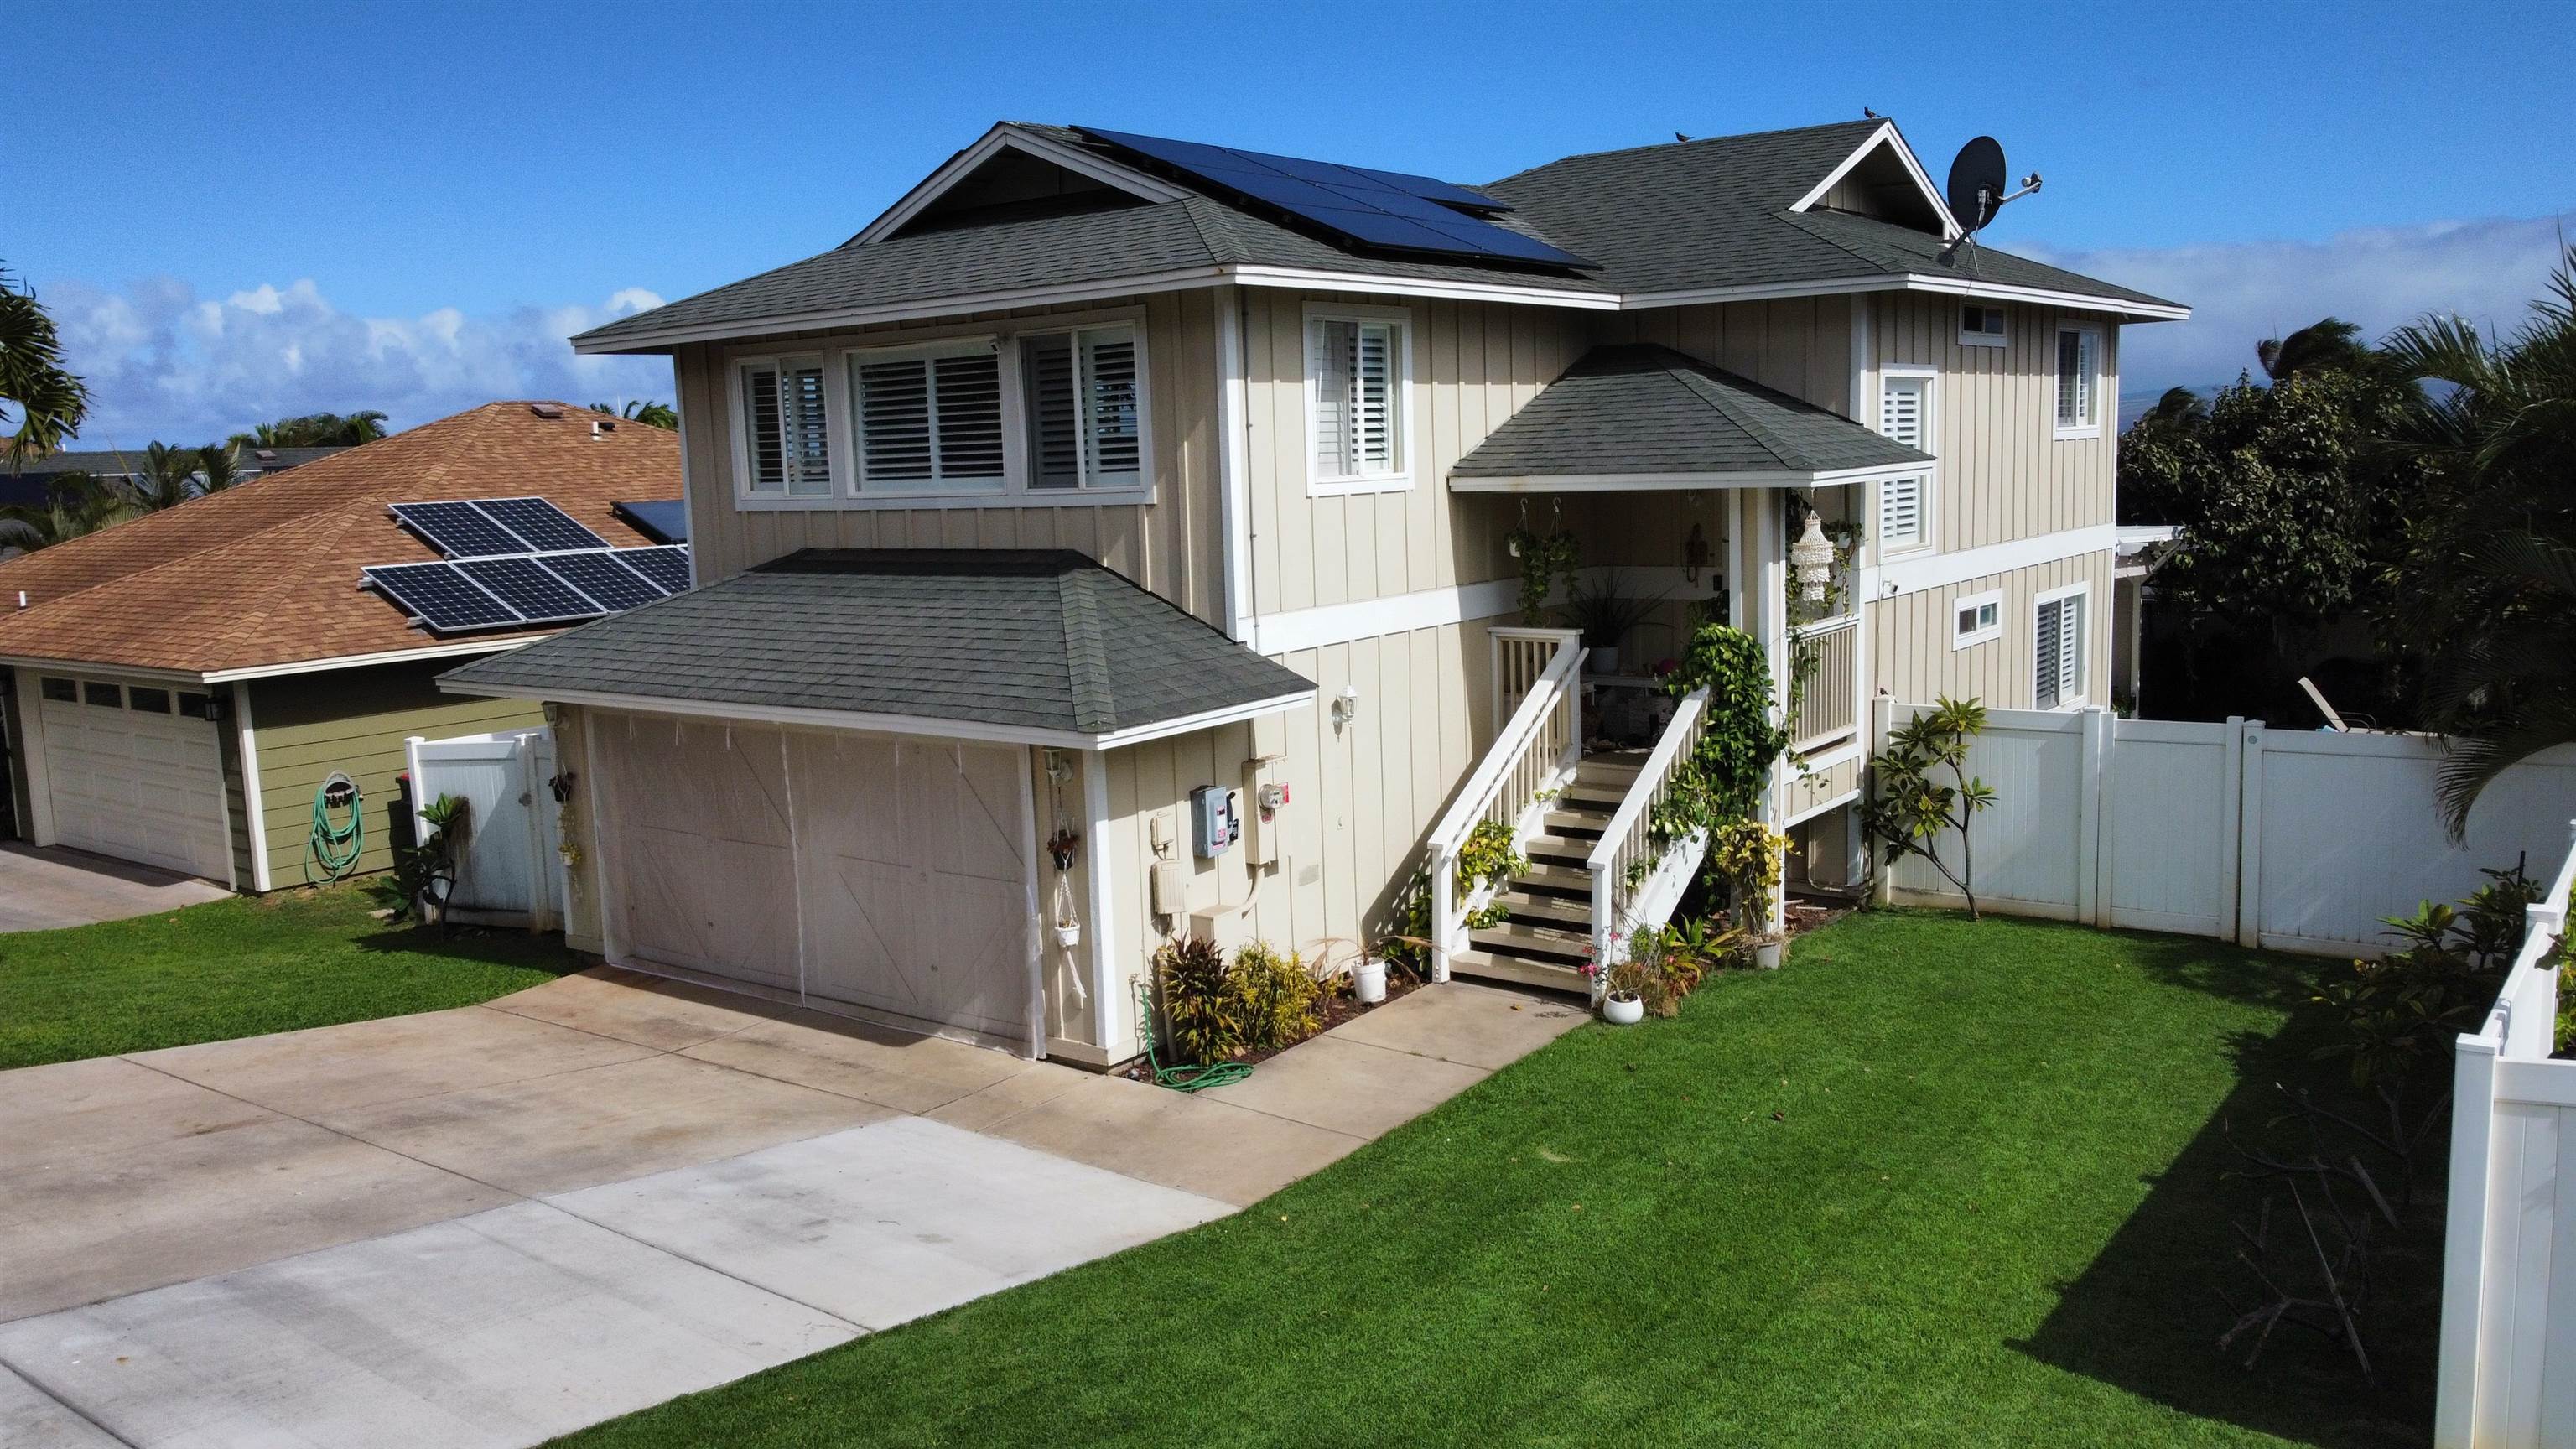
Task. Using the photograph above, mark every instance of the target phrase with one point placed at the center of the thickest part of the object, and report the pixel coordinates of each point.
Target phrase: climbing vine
(1546, 559)
(1487, 855)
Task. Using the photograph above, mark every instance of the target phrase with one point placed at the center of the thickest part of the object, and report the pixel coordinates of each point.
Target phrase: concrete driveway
(41, 889)
(492, 1225)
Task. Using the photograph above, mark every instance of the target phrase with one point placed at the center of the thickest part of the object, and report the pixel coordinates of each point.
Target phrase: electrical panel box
(1169, 885)
(1216, 819)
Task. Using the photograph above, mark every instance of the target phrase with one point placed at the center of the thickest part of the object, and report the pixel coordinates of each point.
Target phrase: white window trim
(2056, 338)
(1399, 481)
(1984, 339)
(1931, 475)
(836, 429)
(847, 495)
(854, 481)
(2083, 641)
(1971, 638)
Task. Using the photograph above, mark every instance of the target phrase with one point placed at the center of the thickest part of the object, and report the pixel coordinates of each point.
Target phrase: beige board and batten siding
(1173, 545)
(354, 721)
(1911, 637)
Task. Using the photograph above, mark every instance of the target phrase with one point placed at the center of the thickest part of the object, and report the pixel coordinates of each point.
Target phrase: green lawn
(1934, 1184)
(241, 967)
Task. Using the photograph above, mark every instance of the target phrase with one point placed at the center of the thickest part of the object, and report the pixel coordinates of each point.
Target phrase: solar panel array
(483, 527)
(1391, 210)
(515, 591)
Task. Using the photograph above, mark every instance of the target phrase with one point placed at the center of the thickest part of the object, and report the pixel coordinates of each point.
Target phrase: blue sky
(267, 209)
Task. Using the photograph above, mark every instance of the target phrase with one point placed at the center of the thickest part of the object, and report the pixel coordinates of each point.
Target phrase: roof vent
(600, 427)
(265, 455)
(546, 410)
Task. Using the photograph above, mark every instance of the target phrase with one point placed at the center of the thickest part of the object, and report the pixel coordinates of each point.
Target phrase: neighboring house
(26, 484)
(160, 673)
(1100, 470)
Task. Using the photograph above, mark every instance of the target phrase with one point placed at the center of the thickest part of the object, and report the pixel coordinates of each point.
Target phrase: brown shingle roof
(266, 572)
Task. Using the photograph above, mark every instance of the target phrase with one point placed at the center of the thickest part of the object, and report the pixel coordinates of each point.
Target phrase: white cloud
(2380, 278)
(163, 363)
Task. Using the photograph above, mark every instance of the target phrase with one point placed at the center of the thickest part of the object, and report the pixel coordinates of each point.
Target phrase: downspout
(1234, 461)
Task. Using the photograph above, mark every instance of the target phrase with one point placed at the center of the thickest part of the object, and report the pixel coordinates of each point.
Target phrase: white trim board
(1660, 482)
(255, 816)
(1292, 630)
(1915, 573)
(1886, 135)
(457, 649)
(1008, 137)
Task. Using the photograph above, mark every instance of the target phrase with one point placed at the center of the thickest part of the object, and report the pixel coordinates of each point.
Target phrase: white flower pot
(1068, 936)
(1623, 1008)
(1766, 957)
(1368, 982)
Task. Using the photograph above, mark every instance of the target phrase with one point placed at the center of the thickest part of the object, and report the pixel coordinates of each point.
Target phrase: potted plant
(1623, 1008)
(1605, 615)
(1637, 986)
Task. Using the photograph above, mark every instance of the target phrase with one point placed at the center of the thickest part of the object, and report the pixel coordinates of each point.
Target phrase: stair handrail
(1625, 838)
(1554, 689)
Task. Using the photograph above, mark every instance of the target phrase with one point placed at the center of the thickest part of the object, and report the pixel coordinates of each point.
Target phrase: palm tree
(2484, 589)
(167, 478)
(638, 410)
(218, 467)
(75, 504)
(2329, 345)
(316, 430)
(50, 402)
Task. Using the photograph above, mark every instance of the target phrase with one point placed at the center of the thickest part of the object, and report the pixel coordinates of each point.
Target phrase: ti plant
(425, 873)
(1925, 791)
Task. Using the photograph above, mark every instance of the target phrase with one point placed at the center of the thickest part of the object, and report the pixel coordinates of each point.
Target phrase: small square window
(195, 706)
(61, 691)
(106, 696)
(1981, 325)
(1977, 618)
(148, 701)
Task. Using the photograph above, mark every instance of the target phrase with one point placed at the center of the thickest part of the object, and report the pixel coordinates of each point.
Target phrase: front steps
(1546, 936)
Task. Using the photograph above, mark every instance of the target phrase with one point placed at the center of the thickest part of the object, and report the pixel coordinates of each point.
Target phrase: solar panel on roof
(667, 566)
(599, 574)
(458, 530)
(543, 525)
(663, 520)
(525, 585)
(440, 597)
(1387, 209)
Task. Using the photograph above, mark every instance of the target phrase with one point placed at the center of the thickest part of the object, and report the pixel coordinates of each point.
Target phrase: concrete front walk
(41, 889)
(495, 1224)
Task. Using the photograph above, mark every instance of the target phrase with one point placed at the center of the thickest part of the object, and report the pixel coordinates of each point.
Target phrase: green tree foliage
(164, 477)
(1741, 734)
(1924, 791)
(638, 410)
(2481, 592)
(75, 504)
(48, 403)
(316, 430)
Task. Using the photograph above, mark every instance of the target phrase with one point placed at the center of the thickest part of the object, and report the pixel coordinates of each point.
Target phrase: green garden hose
(1181, 1079)
(336, 847)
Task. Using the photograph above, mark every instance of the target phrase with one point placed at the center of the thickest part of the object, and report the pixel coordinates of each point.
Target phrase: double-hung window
(929, 419)
(2079, 382)
(2057, 655)
(1905, 503)
(1356, 368)
(1082, 401)
(787, 448)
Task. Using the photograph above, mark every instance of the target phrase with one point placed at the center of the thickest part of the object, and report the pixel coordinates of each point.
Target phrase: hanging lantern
(1694, 554)
(1813, 558)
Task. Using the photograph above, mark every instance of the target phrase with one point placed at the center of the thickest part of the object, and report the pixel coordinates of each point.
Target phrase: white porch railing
(1521, 655)
(1626, 842)
(2506, 1365)
(1537, 747)
(1829, 706)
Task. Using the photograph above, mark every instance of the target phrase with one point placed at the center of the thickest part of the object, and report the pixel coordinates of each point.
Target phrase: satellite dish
(1977, 183)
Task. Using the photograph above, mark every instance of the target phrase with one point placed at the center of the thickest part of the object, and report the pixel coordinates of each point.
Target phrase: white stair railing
(1536, 748)
(1627, 841)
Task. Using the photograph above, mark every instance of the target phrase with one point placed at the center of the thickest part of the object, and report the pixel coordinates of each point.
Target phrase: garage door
(863, 871)
(129, 774)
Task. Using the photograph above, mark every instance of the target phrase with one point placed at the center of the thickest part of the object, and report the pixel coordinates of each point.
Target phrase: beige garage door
(863, 871)
(129, 775)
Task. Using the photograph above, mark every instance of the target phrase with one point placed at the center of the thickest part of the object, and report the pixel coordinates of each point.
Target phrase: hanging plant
(1545, 559)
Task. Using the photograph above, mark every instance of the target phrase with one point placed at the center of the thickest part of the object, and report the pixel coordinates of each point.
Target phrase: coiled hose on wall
(339, 829)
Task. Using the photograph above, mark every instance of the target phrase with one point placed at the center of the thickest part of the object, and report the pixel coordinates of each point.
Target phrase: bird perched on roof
(1867, 114)
(1678, 136)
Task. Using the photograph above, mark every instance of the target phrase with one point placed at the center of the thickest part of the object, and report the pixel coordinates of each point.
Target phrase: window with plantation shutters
(2079, 371)
(2057, 658)
(1355, 398)
(1082, 403)
(928, 422)
(787, 449)
(1905, 504)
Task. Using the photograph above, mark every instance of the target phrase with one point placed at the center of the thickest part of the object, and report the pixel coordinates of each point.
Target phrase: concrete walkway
(42, 889)
(497, 1224)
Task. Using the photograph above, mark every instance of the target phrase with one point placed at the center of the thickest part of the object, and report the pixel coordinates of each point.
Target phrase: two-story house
(1116, 538)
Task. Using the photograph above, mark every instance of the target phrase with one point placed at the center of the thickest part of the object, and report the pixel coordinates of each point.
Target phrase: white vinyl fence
(2289, 840)
(509, 872)
(2508, 1347)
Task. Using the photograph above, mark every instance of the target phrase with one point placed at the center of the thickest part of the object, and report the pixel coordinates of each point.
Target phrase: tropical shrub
(1746, 856)
(1914, 805)
(2400, 1012)
(1643, 974)
(1487, 855)
(425, 872)
(1277, 1000)
(1200, 1006)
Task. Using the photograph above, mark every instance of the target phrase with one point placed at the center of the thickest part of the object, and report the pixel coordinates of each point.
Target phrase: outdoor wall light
(1346, 705)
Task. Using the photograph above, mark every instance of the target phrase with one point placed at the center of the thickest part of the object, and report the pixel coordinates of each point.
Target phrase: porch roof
(1037, 646)
(1642, 416)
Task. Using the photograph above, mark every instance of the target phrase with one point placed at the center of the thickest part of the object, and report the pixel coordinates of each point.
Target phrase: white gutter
(271, 671)
(1657, 482)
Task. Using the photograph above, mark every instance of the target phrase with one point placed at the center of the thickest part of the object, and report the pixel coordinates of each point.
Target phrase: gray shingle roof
(1689, 215)
(1031, 639)
(1647, 409)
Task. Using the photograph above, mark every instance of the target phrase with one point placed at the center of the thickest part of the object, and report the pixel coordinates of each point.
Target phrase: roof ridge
(1086, 654)
(1798, 219)
(1232, 248)
(1693, 141)
(1692, 374)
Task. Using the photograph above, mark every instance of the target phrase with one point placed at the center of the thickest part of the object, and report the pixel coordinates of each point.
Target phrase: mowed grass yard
(1936, 1183)
(243, 967)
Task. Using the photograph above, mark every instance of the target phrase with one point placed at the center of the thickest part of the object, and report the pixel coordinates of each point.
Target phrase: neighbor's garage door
(867, 871)
(132, 776)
